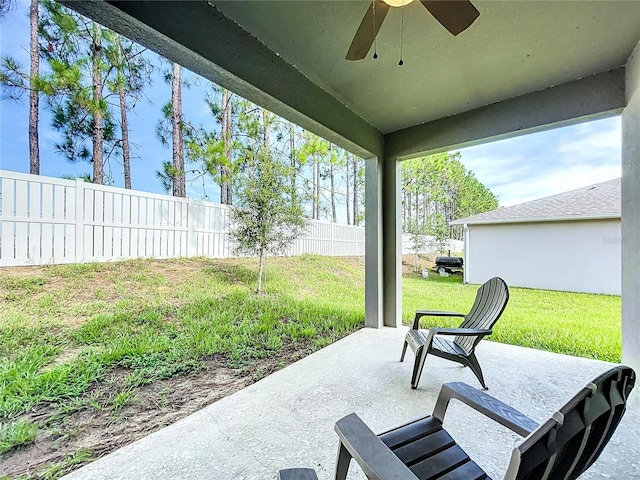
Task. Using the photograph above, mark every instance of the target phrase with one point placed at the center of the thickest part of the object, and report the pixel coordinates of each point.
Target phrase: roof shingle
(601, 200)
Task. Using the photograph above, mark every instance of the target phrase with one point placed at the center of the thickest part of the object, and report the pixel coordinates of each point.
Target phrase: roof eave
(495, 221)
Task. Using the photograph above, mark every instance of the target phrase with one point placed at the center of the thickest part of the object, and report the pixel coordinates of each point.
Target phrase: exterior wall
(577, 256)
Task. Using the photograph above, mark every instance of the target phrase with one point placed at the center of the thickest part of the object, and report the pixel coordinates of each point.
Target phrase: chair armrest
(297, 474)
(376, 460)
(485, 404)
(464, 332)
(433, 313)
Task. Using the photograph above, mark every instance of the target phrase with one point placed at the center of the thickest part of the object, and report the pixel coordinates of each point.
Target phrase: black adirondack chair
(491, 299)
(297, 474)
(561, 448)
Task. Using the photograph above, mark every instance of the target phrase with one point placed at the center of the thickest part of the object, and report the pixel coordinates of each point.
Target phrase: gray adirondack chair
(491, 300)
(560, 448)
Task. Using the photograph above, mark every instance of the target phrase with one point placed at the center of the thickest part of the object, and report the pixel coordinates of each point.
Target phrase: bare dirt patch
(101, 430)
(409, 262)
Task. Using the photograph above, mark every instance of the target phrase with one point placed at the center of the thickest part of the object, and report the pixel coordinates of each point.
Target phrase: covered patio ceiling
(512, 49)
(522, 66)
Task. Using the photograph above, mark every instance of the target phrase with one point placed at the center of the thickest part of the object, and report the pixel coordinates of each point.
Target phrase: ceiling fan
(454, 15)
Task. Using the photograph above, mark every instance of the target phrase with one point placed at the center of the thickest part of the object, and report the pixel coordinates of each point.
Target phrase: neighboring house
(570, 241)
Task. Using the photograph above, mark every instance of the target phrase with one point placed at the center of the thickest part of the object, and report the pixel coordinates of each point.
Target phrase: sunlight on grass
(578, 324)
(15, 434)
(167, 316)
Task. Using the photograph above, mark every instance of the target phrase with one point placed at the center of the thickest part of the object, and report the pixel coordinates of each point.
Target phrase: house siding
(575, 256)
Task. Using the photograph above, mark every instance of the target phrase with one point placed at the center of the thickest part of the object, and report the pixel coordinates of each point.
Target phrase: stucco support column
(467, 254)
(631, 214)
(392, 243)
(373, 287)
(383, 246)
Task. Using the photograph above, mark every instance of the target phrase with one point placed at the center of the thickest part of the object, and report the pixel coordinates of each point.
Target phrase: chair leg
(475, 368)
(404, 349)
(421, 355)
(342, 464)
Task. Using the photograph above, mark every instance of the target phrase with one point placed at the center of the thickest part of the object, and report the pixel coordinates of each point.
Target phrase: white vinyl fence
(45, 220)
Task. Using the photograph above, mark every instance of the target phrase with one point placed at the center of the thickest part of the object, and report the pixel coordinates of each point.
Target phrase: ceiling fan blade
(367, 30)
(454, 15)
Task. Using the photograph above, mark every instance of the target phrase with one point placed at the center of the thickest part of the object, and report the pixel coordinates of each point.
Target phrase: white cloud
(570, 179)
(546, 163)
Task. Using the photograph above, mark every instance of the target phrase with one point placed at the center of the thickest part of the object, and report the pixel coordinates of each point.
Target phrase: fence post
(189, 225)
(79, 220)
(333, 237)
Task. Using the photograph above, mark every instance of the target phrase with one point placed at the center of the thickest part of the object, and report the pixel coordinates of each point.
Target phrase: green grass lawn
(66, 326)
(64, 330)
(579, 324)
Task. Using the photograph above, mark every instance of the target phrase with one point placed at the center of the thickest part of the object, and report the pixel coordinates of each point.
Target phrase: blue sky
(517, 170)
(545, 163)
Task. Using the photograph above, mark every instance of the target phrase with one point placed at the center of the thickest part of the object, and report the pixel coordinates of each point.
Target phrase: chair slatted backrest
(567, 444)
(491, 299)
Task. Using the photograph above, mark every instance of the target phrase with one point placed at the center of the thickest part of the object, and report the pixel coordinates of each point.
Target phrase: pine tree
(438, 189)
(6, 6)
(74, 48)
(312, 154)
(226, 132)
(170, 130)
(179, 180)
(132, 73)
(15, 81)
(34, 95)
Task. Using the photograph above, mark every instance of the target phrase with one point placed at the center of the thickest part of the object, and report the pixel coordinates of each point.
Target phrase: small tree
(265, 219)
(439, 230)
(418, 238)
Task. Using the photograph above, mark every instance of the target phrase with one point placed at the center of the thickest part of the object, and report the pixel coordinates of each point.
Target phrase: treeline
(438, 189)
(91, 79)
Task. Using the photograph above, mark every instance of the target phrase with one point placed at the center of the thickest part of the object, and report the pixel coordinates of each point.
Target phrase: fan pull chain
(401, 34)
(375, 38)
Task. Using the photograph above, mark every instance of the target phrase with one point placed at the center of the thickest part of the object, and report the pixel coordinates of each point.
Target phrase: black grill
(449, 263)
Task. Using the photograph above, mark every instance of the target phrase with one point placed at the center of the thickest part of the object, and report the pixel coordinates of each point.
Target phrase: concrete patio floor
(286, 419)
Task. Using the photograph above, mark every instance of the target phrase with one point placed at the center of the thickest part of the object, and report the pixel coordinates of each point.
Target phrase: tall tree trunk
(179, 183)
(225, 170)
(427, 208)
(317, 192)
(124, 126)
(266, 129)
(314, 189)
(348, 194)
(334, 217)
(124, 119)
(292, 159)
(355, 191)
(98, 119)
(34, 96)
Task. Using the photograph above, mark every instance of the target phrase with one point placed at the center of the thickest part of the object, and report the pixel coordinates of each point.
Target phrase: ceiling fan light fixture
(397, 3)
